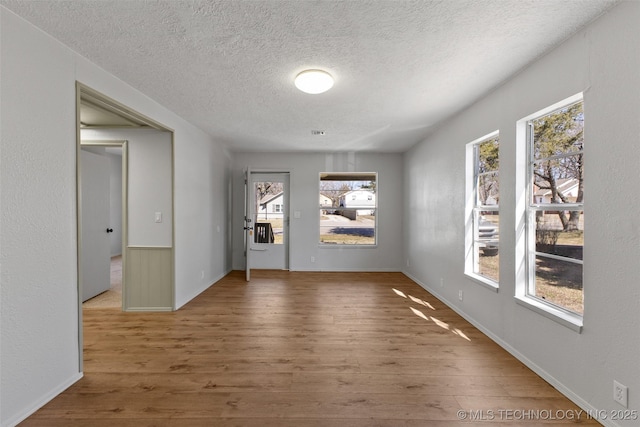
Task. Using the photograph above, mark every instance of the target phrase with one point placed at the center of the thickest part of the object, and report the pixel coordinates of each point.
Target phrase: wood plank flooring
(301, 349)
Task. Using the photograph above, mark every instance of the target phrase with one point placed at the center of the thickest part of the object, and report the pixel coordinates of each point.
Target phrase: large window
(555, 212)
(483, 195)
(348, 208)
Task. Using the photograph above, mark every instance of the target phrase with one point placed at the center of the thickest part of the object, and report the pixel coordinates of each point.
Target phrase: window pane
(488, 159)
(557, 168)
(560, 233)
(348, 208)
(489, 266)
(559, 282)
(269, 208)
(558, 180)
(481, 256)
(486, 244)
(559, 133)
(488, 189)
(348, 227)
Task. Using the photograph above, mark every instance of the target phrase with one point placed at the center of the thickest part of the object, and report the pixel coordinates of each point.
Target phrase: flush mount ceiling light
(314, 81)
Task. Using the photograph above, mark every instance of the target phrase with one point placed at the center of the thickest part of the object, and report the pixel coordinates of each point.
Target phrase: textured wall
(39, 302)
(38, 292)
(602, 61)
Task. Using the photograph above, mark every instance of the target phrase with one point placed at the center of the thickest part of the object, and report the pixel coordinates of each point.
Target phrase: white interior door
(269, 214)
(96, 244)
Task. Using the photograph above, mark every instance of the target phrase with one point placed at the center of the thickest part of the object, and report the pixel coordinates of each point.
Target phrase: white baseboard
(33, 407)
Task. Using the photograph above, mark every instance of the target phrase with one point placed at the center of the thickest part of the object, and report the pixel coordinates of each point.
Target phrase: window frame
(526, 237)
(473, 211)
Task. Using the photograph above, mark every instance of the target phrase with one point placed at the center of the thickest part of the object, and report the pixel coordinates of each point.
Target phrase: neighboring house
(271, 206)
(325, 201)
(359, 200)
(568, 187)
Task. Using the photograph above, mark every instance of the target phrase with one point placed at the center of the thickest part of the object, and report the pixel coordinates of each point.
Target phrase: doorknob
(109, 230)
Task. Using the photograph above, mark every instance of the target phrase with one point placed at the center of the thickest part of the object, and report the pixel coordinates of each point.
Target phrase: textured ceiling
(400, 67)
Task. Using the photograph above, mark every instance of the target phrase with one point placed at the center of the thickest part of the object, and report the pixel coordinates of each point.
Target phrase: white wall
(38, 296)
(150, 188)
(304, 189)
(603, 61)
(38, 292)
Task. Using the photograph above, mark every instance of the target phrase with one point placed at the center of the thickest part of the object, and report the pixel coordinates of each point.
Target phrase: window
(268, 211)
(555, 211)
(348, 208)
(483, 196)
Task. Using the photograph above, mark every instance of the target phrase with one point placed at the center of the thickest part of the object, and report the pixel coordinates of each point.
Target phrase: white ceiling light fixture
(314, 81)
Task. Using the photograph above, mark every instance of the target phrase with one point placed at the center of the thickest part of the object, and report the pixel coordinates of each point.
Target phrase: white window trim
(564, 317)
(470, 205)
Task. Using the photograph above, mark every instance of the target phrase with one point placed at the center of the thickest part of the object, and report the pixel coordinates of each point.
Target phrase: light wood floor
(299, 349)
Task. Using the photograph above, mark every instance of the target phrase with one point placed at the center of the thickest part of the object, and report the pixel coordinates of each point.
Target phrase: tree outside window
(483, 259)
(555, 219)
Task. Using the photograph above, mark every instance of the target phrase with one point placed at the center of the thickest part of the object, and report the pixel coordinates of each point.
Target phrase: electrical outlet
(442, 282)
(201, 274)
(408, 263)
(313, 259)
(620, 393)
(460, 295)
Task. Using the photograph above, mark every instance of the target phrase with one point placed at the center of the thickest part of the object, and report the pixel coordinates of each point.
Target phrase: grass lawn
(558, 282)
(490, 266)
(571, 238)
(347, 239)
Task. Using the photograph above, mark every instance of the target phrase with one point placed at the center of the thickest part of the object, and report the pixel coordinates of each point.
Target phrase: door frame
(249, 225)
(87, 95)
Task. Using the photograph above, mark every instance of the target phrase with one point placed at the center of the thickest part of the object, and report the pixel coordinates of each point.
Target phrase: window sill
(487, 283)
(570, 320)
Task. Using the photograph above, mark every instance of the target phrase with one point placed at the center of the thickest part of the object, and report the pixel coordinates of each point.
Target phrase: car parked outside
(488, 237)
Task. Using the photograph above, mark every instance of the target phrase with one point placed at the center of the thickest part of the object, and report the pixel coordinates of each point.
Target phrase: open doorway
(146, 263)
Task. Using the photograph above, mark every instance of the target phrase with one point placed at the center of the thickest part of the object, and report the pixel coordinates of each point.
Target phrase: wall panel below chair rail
(148, 279)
